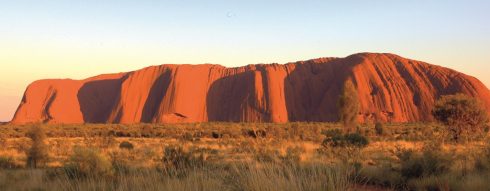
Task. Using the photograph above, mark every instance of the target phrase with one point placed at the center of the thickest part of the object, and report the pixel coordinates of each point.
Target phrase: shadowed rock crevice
(49, 102)
(230, 98)
(312, 89)
(155, 96)
(97, 99)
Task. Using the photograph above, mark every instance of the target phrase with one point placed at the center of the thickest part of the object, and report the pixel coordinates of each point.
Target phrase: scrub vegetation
(453, 154)
(242, 156)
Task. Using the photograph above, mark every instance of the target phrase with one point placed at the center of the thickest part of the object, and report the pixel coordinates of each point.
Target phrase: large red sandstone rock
(391, 87)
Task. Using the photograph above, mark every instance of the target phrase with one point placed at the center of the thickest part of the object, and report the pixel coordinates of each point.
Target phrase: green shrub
(38, 154)
(126, 145)
(87, 162)
(461, 114)
(177, 158)
(379, 128)
(351, 139)
(256, 133)
(486, 128)
(356, 139)
(334, 140)
(7, 162)
(188, 136)
(348, 106)
(216, 135)
(332, 132)
(430, 162)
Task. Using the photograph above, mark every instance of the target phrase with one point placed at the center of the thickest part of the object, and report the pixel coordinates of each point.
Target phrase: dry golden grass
(248, 156)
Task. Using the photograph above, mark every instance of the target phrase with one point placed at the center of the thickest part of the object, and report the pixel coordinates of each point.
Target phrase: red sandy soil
(394, 88)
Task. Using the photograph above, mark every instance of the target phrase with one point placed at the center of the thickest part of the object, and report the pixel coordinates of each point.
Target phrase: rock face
(390, 88)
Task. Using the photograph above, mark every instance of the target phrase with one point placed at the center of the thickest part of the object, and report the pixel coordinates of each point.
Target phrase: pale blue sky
(78, 39)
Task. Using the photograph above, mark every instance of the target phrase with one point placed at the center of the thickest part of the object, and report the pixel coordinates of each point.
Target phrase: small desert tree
(348, 106)
(461, 114)
(38, 153)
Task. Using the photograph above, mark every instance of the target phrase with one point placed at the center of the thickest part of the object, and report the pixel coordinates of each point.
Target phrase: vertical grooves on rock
(394, 88)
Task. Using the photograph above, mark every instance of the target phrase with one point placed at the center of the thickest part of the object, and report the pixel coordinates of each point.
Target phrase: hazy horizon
(65, 39)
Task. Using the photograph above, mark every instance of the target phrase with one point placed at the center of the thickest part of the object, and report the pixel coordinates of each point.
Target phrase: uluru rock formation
(390, 88)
